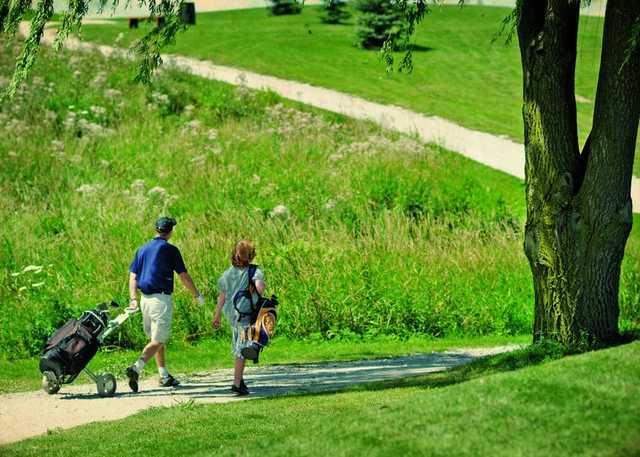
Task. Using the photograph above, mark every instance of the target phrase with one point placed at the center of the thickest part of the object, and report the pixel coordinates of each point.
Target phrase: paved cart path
(494, 151)
(28, 414)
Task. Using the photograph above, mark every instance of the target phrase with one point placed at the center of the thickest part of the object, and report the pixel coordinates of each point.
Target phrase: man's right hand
(216, 321)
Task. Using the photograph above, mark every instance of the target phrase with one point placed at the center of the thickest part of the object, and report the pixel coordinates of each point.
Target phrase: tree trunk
(4, 11)
(578, 204)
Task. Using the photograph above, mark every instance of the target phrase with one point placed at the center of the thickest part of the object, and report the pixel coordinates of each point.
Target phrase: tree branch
(547, 35)
(616, 112)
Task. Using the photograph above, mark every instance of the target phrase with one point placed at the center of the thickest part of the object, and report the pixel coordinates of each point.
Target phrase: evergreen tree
(334, 11)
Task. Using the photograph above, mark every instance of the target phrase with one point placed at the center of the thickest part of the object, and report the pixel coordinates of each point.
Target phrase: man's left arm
(185, 278)
(190, 286)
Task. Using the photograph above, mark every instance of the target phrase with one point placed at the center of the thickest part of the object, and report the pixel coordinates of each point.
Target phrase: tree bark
(4, 12)
(578, 203)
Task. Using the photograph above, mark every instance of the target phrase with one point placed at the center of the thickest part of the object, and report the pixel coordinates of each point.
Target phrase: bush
(379, 21)
(334, 11)
(283, 7)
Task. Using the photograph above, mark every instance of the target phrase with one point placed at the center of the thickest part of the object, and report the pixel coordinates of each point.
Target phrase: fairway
(272, 193)
(459, 73)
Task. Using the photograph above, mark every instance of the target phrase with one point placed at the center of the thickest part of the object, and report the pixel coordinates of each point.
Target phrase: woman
(236, 295)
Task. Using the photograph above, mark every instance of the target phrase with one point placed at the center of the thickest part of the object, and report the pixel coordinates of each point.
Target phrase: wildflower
(268, 190)
(188, 110)
(192, 126)
(77, 73)
(157, 190)
(212, 134)
(50, 116)
(32, 268)
(97, 110)
(331, 204)
(88, 189)
(279, 211)
(159, 98)
(100, 79)
(70, 120)
(215, 150)
(112, 93)
(138, 185)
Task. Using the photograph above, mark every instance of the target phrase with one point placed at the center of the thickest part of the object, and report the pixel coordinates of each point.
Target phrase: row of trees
(377, 20)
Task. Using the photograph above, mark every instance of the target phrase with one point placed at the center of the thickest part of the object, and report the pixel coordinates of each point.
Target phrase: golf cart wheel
(106, 384)
(50, 383)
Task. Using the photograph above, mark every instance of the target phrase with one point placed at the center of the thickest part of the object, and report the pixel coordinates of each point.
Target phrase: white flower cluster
(192, 127)
(88, 190)
(160, 99)
(292, 122)
(141, 198)
(376, 144)
(99, 80)
(78, 122)
(280, 211)
(112, 94)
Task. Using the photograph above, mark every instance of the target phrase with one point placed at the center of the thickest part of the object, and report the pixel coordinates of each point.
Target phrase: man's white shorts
(157, 310)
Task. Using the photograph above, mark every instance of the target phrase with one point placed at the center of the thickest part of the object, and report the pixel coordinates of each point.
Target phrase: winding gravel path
(494, 151)
(28, 414)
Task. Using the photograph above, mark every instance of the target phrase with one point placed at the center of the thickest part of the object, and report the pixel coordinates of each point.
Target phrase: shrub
(378, 21)
(334, 11)
(283, 7)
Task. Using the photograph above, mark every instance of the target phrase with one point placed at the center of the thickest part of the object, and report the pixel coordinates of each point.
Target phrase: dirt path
(494, 151)
(23, 415)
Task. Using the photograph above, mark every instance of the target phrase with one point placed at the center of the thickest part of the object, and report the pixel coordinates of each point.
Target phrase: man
(152, 272)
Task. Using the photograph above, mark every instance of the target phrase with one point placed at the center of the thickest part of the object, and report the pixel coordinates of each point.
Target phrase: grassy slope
(392, 237)
(22, 375)
(367, 208)
(582, 405)
(459, 74)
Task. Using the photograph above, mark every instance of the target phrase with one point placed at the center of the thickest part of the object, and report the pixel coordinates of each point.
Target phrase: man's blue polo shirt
(154, 264)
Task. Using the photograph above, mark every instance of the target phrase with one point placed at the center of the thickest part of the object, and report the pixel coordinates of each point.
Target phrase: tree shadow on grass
(534, 354)
(413, 47)
(521, 358)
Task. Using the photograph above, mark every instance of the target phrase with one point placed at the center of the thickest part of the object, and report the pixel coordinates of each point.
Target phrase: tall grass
(360, 231)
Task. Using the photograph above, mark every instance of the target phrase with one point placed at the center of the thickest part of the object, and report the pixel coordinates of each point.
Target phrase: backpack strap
(251, 273)
(247, 293)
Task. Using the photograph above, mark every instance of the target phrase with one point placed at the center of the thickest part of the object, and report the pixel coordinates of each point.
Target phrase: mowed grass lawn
(584, 405)
(459, 73)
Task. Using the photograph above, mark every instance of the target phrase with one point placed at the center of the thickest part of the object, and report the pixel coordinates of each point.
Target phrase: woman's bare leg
(238, 372)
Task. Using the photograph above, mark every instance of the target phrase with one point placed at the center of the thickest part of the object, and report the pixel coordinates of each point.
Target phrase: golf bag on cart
(69, 350)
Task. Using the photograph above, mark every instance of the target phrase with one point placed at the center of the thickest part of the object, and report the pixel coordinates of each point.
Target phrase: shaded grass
(579, 405)
(460, 74)
(23, 375)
